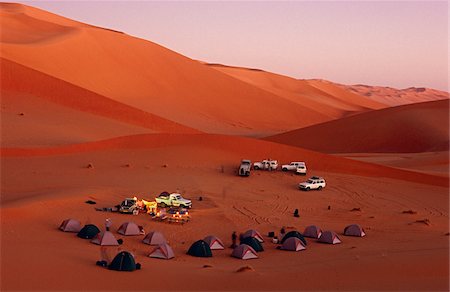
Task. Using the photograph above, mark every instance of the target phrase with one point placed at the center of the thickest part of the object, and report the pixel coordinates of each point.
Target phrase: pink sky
(398, 44)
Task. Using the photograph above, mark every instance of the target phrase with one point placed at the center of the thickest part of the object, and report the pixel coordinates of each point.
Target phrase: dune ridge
(419, 127)
(21, 79)
(168, 84)
(334, 102)
(394, 96)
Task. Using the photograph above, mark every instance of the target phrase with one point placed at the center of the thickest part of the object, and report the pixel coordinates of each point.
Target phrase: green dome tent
(294, 233)
(200, 249)
(124, 261)
(89, 231)
(253, 242)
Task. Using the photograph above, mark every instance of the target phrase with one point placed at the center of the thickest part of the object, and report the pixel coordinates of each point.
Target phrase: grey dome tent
(354, 230)
(253, 233)
(124, 261)
(70, 225)
(89, 231)
(154, 238)
(245, 252)
(312, 231)
(200, 249)
(129, 228)
(253, 242)
(162, 251)
(293, 233)
(105, 238)
(329, 237)
(293, 244)
(214, 242)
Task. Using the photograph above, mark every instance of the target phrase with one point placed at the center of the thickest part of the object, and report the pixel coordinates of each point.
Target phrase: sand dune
(436, 163)
(394, 97)
(30, 121)
(418, 127)
(19, 80)
(332, 101)
(151, 78)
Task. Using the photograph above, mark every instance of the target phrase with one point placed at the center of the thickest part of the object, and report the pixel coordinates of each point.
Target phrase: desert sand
(164, 122)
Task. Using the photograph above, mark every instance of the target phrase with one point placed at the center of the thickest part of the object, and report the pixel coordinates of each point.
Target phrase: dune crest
(419, 127)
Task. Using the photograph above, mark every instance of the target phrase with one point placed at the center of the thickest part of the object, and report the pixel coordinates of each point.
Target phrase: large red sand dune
(331, 101)
(418, 127)
(145, 75)
(56, 97)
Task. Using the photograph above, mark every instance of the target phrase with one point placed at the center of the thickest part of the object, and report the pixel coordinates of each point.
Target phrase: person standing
(233, 239)
(108, 223)
(282, 233)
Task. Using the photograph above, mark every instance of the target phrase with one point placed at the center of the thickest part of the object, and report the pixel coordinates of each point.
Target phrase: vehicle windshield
(178, 197)
(310, 181)
(127, 203)
(245, 162)
(301, 167)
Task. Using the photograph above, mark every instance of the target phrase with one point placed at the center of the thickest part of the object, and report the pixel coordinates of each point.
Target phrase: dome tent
(105, 238)
(129, 228)
(253, 233)
(329, 237)
(154, 238)
(293, 244)
(312, 231)
(253, 242)
(124, 261)
(70, 225)
(293, 233)
(200, 249)
(162, 251)
(354, 230)
(245, 252)
(214, 242)
(89, 231)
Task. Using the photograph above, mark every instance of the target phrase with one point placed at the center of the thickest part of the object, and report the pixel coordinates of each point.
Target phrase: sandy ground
(398, 252)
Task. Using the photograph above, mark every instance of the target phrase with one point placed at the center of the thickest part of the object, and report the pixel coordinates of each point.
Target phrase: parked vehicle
(244, 169)
(301, 169)
(266, 165)
(166, 200)
(293, 166)
(129, 206)
(314, 183)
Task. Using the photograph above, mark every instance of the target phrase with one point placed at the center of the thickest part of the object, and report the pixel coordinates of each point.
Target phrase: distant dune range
(417, 127)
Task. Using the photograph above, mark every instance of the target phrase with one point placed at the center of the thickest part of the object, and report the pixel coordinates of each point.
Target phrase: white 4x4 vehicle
(292, 166)
(301, 169)
(314, 183)
(266, 164)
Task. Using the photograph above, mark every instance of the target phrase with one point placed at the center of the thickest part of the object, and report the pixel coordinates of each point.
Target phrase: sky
(398, 44)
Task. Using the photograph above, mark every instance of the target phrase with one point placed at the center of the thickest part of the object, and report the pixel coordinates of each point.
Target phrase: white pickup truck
(166, 200)
(292, 166)
(266, 164)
